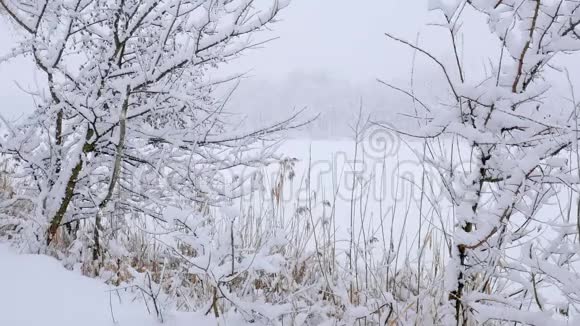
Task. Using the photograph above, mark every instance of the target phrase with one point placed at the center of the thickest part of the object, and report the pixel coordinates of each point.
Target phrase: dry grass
(321, 277)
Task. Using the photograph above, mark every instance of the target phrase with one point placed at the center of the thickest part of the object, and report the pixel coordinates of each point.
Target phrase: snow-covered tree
(513, 259)
(127, 94)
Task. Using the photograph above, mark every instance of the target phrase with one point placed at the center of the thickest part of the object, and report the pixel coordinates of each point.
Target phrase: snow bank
(37, 290)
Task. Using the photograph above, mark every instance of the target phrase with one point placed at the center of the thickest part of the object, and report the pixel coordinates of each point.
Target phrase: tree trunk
(69, 191)
(115, 175)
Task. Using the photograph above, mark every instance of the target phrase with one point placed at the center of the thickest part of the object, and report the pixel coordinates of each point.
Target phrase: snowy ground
(37, 290)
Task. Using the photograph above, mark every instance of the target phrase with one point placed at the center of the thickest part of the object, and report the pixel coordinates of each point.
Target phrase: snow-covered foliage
(131, 170)
(510, 263)
(127, 94)
(127, 126)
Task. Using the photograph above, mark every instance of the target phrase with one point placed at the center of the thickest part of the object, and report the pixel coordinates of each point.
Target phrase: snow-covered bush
(127, 89)
(513, 253)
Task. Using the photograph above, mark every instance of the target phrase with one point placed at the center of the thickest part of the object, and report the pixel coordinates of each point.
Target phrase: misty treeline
(317, 92)
(132, 170)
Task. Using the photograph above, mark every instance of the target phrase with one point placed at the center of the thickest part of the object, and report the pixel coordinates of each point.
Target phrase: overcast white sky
(342, 38)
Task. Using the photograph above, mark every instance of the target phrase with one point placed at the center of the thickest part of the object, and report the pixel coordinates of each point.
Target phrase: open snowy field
(377, 181)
